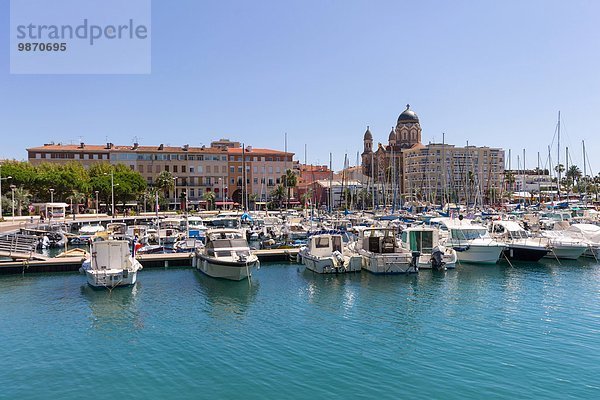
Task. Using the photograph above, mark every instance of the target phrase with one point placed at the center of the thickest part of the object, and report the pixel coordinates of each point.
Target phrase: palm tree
(75, 198)
(253, 198)
(574, 174)
(165, 182)
(307, 196)
(290, 179)
(22, 197)
(278, 194)
(209, 197)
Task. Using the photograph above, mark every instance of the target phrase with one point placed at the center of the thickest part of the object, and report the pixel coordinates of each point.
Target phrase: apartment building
(197, 170)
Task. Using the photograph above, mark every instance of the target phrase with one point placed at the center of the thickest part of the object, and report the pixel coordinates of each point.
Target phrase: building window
(192, 192)
(199, 169)
(175, 168)
(191, 170)
(167, 168)
(183, 169)
(232, 170)
(208, 169)
(141, 169)
(95, 156)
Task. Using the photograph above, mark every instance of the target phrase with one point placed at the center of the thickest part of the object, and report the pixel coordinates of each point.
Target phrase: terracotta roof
(120, 148)
(254, 150)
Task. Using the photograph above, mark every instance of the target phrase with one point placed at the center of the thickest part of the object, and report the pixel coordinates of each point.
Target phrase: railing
(18, 243)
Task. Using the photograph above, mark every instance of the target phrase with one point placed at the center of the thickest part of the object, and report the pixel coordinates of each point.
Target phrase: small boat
(382, 254)
(326, 254)
(426, 241)
(520, 246)
(110, 265)
(471, 242)
(226, 255)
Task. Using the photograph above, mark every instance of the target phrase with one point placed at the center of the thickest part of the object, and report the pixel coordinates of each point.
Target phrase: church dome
(368, 135)
(392, 135)
(408, 116)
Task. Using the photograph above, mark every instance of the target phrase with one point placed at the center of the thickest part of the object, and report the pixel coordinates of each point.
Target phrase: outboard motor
(414, 264)
(437, 258)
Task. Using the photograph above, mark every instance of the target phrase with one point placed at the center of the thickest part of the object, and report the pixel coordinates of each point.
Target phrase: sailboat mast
(558, 156)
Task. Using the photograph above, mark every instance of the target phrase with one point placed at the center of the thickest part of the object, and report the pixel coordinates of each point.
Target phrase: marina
(533, 325)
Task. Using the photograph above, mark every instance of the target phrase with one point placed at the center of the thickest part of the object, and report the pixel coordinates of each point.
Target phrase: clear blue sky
(491, 72)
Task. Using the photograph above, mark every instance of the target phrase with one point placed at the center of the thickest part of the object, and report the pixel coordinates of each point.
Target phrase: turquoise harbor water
(475, 332)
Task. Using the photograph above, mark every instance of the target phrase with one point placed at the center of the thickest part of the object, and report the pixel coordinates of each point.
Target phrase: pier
(71, 264)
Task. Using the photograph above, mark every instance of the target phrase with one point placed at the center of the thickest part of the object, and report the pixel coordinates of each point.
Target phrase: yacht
(226, 255)
(326, 254)
(426, 241)
(519, 245)
(588, 234)
(110, 264)
(381, 252)
(471, 242)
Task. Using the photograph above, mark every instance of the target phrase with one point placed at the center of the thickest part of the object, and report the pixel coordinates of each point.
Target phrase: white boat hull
(479, 254)
(329, 265)
(225, 270)
(566, 252)
(388, 263)
(110, 278)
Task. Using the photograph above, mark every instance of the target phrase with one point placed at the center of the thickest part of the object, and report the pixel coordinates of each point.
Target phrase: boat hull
(388, 264)
(479, 254)
(110, 278)
(234, 271)
(329, 265)
(524, 253)
(566, 252)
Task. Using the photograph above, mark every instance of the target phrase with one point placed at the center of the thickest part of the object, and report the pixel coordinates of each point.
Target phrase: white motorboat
(589, 234)
(426, 241)
(471, 242)
(226, 255)
(563, 246)
(381, 252)
(520, 246)
(326, 254)
(111, 264)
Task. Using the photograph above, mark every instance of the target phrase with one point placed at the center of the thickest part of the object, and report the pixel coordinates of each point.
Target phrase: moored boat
(111, 264)
(326, 254)
(226, 255)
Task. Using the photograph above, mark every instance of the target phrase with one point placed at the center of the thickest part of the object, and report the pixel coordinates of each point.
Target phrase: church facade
(405, 169)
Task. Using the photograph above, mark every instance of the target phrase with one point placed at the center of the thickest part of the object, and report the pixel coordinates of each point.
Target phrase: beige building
(197, 170)
(441, 172)
(405, 169)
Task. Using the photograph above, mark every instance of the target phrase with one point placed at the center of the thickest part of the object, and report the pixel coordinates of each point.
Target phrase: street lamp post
(51, 207)
(97, 202)
(12, 189)
(112, 193)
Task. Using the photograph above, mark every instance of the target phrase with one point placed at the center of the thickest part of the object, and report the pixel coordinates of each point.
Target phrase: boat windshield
(229, 243)
(468, 234)
(518, 234)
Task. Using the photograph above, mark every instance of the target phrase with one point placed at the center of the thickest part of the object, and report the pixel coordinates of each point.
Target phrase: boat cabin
(324, 245)
(421, 239)
(379, 240)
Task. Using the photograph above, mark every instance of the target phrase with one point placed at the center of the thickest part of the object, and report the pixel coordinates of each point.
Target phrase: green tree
(165, 182)
(290, 180)
(573, 174)
(209, 197)
(277, 195)
(77, 198)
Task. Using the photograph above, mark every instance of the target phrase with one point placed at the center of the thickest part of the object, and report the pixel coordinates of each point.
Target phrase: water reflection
(224, 297)
(114, 310)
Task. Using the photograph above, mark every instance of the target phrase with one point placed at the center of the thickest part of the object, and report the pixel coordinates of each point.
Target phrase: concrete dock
(65, 264)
